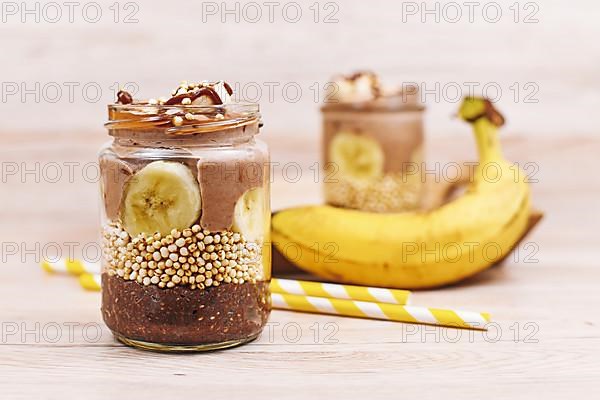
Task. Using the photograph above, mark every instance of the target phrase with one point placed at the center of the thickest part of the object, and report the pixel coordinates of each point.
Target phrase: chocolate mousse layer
(117, 171)
(115, 174)
(361, 105)
(182, 316)
(223, 176)
(399, 133)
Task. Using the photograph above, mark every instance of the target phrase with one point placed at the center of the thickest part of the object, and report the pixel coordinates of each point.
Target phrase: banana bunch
(417, 249)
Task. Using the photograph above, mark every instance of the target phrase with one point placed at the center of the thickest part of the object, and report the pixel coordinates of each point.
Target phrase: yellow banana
(417, 249)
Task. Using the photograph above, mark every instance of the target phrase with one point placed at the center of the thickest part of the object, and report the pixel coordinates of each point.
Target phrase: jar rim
(205, 118)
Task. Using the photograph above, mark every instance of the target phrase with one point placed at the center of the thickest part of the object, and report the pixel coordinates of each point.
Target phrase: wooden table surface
(545, 302)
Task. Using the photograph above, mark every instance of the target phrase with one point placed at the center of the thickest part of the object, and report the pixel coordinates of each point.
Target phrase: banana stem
(488, 144)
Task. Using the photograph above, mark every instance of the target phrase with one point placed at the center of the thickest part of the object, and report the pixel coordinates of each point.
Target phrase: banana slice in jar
(356, 156)
(249, 217)
(162, 196)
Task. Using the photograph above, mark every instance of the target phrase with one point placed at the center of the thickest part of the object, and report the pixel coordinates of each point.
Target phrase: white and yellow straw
(90, 282)
(382, 311)
(73, 267)
(335, 291)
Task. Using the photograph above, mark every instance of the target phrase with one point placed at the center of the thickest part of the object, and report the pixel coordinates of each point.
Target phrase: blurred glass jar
(186, 222)
(373, 152)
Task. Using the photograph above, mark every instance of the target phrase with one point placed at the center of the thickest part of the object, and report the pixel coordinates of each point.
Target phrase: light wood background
(559, 54)
(552, 284)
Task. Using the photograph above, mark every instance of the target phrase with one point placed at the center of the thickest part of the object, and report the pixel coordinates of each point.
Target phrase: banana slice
(358, 157)
(249, 215)
(160, 197)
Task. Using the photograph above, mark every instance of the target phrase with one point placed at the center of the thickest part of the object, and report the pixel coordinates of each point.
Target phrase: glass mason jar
(185, 224)
(372, 154)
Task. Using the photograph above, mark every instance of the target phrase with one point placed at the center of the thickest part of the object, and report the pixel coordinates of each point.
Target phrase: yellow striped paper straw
(73, 267)
(335, 291)
(90, 282)
(382, 311)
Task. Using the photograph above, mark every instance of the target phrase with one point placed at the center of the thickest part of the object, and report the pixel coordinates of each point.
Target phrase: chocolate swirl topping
(124, 97)
(215, 92)
(191, 107)
(207, 91)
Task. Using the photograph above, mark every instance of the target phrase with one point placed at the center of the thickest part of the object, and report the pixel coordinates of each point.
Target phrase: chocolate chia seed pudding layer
(182, 316)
